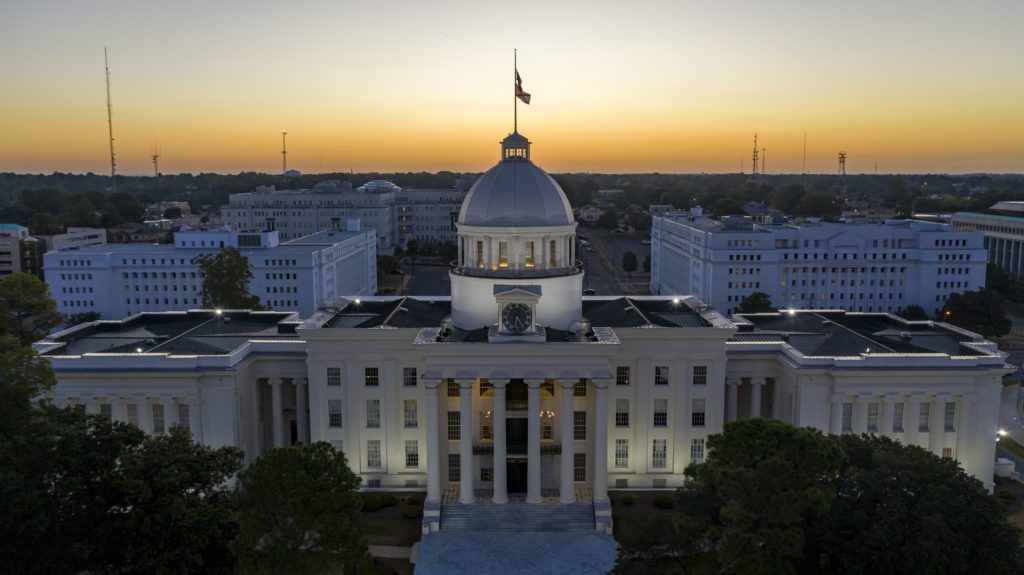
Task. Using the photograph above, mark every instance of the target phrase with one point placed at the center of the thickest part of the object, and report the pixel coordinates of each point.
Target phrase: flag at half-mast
(519, 90)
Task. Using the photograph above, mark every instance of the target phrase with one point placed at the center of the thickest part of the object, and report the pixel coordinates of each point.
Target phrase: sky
(677, 86)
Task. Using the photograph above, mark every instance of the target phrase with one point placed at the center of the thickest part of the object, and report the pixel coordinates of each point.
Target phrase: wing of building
(517, 388)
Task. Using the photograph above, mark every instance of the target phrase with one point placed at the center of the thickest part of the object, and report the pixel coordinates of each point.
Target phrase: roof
(842, 334)
(193, 332)
(403, 312)
(515, 194)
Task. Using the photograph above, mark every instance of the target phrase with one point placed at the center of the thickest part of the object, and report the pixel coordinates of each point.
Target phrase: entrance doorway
(516, 469)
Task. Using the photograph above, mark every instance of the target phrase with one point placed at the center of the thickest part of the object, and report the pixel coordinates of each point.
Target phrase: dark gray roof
(403, 312)
(515, 193)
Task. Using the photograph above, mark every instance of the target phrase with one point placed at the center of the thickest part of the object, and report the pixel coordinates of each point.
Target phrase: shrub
(1006, 496)
(664, 502)
(412, 512)
(373, 503)
(628, 500)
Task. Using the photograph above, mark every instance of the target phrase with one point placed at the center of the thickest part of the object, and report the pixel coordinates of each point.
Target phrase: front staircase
(518, 516)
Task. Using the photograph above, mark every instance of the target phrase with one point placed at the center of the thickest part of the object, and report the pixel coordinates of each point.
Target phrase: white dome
(515, 193)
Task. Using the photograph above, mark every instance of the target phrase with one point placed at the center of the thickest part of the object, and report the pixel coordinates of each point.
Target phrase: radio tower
(156, 163)
(284, 151)
(754, 157)
(110, 127)
(841, 185)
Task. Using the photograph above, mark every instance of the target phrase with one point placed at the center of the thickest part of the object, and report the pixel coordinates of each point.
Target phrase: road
(429, 280)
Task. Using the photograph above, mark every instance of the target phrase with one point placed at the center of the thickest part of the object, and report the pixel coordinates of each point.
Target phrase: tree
(226, 278)
(629, 262)
(787, 198)
(25, 379)
(172, 213)
(46, 224)
(82, 214)
(757, 302)
(608, 220)
(80, 318)
(726, 207)
(127, 206)
(385, 264)
(913, 312)
(298, 512)
(816, 204)
(979, 311)
(900, 509)
(28, 310)
(1010, 287)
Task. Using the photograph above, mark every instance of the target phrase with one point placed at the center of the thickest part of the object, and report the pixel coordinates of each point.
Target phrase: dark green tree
(900, 509)
(127, 206)
(1010, 287)
(226, 278)
(816, 204)
(298, 513)
(608, 220)
(757, 302)
(82, 214)
(29, 312)
(25, 380)
(726, 207)
(46, 224)
(629, 262)
(981, 311)
(172, 213)
(913, 312)
(80, 318)
(786, 199)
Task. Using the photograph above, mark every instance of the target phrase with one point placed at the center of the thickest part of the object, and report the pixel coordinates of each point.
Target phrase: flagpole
(515, 98)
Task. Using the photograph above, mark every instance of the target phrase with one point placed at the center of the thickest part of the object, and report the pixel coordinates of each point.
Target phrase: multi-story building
(118, 280)
(75, 238)
(517, 390)
(396, 214)
(1004, 234)
(20, 252)
(867, 268)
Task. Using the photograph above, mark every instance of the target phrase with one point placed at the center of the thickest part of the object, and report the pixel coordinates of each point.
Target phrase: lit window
(659, 453)
(621, 453)
(660, 418)
(622, 375)
(454, 425)
(372, 377)
(333, 413)
(373, 414)
(412, 453)
(621, 413)
(697, 413)
(661, 375)
(373, 453)
(411, 416)
(697, 451)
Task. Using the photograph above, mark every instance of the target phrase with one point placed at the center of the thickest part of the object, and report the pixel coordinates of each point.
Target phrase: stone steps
(515, 516)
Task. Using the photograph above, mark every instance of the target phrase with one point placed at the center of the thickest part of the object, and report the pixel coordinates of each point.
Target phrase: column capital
(601, 383)
(501, 384)
(733, 381)
(838, 398)
(567, 384)
(865, 397)
(465, 383)
(430, 383)
(273, 380)
(297, 381)
(915, 398)
(892, 398)
(758, 381)
(534, 382)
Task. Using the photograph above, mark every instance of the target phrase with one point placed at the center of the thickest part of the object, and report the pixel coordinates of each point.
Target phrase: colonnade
(499, 437)
(278, 432)
(732, 397)
(144, 410)
(910, 425)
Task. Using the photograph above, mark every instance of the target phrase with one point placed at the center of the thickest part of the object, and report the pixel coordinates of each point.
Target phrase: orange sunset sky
(681, 86)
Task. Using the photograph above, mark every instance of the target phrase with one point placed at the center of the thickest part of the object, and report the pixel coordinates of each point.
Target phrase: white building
(19, 252)
(396, 214)
(1004, 234)
(864, 268)
(118, 280)
(75, 238)
(519, 391)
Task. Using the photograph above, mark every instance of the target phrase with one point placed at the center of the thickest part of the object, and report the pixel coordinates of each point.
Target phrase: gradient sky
(674, 86)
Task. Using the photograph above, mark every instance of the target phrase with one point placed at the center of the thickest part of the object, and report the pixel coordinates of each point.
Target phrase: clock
(516, 317)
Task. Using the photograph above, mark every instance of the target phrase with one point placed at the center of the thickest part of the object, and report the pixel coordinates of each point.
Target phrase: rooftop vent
(905, 335)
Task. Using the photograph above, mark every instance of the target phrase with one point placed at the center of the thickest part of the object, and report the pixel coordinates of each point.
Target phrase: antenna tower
(156, 163)
(754, 158)
(110, 127)
(764, 162)
(803, 168)
(284, 151)
(842, 164)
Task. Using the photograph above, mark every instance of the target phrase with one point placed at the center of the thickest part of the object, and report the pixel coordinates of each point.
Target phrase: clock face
(516, 317)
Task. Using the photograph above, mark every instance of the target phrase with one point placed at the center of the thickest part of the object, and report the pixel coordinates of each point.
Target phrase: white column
(732, 387)
(90, 405)
(433, 443)
(601, 440)
(755, 396)
(885, 427)
(257, 438)
(118, 409)
(301, 408)
(276, 416)
(466, 440)
(533, 443)
(936, 432)
(860, 414)
(195, 420)
(146, 415)
(170, 414)
(962, 425)
(500, 450)
(913, 419)
(836, 423)
(568, 491)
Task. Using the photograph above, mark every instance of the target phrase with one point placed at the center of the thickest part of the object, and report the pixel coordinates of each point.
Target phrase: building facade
(1004, 234)
(516, 389)
(20, 252)
(865, 268)
(397, 215)
(118, 280)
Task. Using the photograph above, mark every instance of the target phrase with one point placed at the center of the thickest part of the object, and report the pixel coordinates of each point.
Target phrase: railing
(516, 273)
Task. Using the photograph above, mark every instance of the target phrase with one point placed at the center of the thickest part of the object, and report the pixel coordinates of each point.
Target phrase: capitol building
(517, 391)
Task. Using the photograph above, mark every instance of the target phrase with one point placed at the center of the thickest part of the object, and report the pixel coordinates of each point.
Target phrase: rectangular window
(551, 254)
(486, 474)
(453, 388)
(621, 413)
(697, 451)
(106, 410)
(372, 414)
(949, 419)
(479, 254)
(659, 453)
(503, 254)
(411, 415)
(580, 388)
(333, 376)
(412, 453)
(454, 425)
(158, 418)
(700, 375)
(579, 466)
(660, 413)
(947, 452)
(486, 425)
(373, 453)
(333, 413)
(697, 413)
(873, 417)
(925, 415)
(547, 430)
(409, 376)
(579, 425)
(133, 414)
(622, 375)
(184, 416)
(454, 468)
(847, 417)
(661, 375)
(897, 417)
(529, 254)
(372, 377)
(621, 453)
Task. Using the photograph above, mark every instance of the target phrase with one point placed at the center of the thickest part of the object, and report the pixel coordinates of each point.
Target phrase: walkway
(515, 553)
